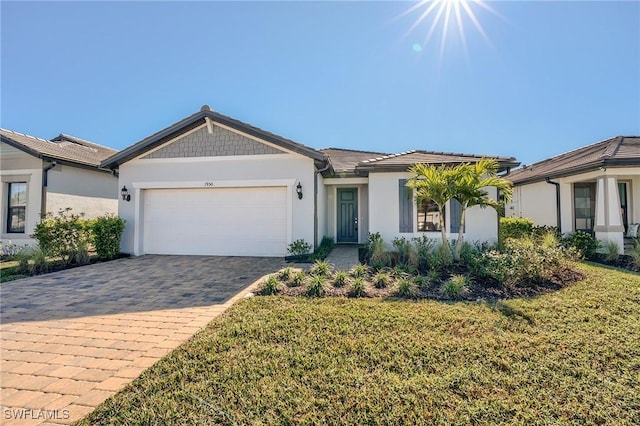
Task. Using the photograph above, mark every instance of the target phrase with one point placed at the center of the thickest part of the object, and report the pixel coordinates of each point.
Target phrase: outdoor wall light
(125, 194)
(299, 191)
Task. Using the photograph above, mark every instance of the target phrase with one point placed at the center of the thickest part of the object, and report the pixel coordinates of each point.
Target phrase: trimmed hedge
(514, 227)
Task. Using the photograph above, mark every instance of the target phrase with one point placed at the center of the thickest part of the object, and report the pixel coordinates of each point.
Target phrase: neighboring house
(212, 185)
(594, 189)
(40, 176)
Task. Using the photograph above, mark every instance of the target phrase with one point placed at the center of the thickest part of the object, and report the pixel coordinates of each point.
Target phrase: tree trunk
(445, 243)
(459, 241)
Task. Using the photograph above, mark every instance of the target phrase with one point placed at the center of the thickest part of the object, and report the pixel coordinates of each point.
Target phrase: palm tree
(470, 190)
(437, 184)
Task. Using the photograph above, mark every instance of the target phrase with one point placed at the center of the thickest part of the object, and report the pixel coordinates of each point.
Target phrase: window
(584, 206)
(428, 216)
(17, 206)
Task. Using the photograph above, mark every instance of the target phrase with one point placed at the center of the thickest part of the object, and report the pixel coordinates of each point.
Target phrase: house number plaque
(208, 184)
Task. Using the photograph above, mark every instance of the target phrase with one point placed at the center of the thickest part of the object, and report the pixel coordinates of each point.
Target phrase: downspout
(558, 215)
(45, 183)
(315, 203)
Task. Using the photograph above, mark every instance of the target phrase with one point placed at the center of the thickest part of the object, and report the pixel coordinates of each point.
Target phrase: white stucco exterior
(537, 201)
(481, 224)
(242, 171)
(91, 192)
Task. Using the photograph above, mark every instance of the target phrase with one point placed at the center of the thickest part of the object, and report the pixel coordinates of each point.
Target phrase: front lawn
(566, 357)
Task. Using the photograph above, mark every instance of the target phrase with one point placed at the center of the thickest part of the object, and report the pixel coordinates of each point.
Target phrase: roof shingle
(617, 151)
(62, 147)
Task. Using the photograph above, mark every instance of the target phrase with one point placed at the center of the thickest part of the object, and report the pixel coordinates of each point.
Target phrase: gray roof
(402, 161)
(614, 152)
(198, 119)
(346, 160)
(62, 147)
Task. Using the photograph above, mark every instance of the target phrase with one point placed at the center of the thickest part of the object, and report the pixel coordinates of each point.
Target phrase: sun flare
(446, 14)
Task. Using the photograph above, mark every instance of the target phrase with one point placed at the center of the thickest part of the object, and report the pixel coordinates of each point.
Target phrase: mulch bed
(484, 290)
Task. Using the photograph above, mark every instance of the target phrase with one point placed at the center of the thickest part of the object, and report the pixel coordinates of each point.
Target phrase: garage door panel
(216, 221)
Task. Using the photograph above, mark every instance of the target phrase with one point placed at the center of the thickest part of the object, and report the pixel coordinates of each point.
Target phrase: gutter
(45, 183)
(315, 202)
(558, 215)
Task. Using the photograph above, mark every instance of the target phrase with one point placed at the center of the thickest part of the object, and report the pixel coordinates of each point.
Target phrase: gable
(220, 143)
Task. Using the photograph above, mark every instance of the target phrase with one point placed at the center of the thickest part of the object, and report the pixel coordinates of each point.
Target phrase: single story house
(595, 189)
(212, 185)
(40, 176)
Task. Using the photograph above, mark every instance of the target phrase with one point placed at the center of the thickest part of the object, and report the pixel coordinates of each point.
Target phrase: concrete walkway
(57, 370)
(343, 257)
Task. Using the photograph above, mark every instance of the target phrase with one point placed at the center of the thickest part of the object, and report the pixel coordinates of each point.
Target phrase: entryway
(347, 215)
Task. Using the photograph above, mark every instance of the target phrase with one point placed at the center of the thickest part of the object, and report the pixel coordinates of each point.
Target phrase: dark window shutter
(405, 201)
(456, 215)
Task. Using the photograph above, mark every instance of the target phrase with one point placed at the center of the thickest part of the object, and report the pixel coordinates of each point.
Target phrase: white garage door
(216, 221)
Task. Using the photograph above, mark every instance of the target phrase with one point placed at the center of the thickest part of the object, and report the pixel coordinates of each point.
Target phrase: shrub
(406, 252)
(421, 281)
(320, 268)
(32, 261)
(407, 288)
(299, 248)
(381, 280)
(514, 227)
(316, 287)
(107, 235)
(269, 286)
(376, 254)
(359, 271)
(323, 250)
(635, 254)
(583, 242)
(340, 279)
(285, 274)
(455, 286)
(423, 248)
(521, 262)
(611, 250)
(81, 256)
(61, 235)
(357, 288)
(297, 279)
(433, 276)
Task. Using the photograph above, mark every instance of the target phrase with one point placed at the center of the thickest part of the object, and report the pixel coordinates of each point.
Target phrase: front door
(347, 221)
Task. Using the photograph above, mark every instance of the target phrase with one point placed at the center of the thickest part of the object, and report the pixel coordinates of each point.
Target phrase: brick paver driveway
(71, 339)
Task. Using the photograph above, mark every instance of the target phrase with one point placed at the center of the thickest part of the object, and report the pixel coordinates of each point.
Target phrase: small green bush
(358, 288)
(514, 227)
(611, 250)
(407, 254)
(270, 286)
(107, 236)
(407, 288)
(299, 248)
(635, 254)
(455, 286)
(583, 242)
(285, 274)
(340, 279)
(421, 281)
(61, 235)
(359, 271)
(433, 276)
(381, 280)
(297, 279)
(323, 250)
(316, 287)
(320, 268)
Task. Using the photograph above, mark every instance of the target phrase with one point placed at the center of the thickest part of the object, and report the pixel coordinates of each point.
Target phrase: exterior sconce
(125, 194)
(299, 191)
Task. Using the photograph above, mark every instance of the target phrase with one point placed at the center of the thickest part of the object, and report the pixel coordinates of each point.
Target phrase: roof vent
(205, 108)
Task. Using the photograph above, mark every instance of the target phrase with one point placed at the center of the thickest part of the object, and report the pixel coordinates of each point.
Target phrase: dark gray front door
(347, 215)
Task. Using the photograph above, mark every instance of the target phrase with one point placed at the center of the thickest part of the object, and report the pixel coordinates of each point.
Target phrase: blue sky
(551, 77)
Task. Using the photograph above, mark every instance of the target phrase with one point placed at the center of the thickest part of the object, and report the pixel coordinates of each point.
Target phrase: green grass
(570, 357)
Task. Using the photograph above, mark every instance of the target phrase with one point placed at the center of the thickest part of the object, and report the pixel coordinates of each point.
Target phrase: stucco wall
(528, 199)
(17, 166)
(239, 171)
(322, 209)
(481, 224)
(90, 192)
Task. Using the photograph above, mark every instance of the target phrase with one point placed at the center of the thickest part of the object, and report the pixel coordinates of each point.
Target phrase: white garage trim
(140, 188)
